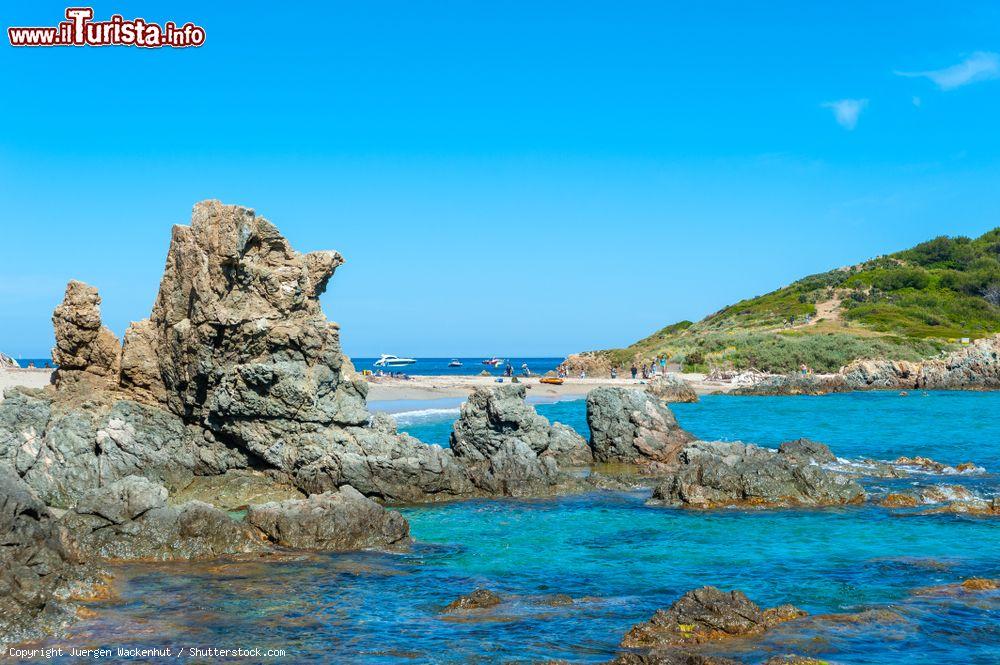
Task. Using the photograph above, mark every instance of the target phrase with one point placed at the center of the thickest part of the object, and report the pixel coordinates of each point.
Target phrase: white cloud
(980, 66)
(846, 111)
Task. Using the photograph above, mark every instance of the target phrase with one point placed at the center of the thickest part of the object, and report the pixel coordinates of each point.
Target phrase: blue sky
(504, 178)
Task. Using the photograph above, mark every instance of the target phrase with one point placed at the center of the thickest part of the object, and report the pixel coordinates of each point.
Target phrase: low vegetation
(908, 305)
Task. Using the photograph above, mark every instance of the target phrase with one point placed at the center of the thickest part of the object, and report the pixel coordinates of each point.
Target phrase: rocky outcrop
(707, 615)
(976, 366)
(671, 388)
(85, 351)
(237, 368)
(333, 521)
(628, 425)
(713, 475)
(495, 417)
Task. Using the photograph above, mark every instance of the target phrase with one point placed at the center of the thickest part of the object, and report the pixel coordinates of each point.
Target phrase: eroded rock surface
(479, 599)
(631, 426)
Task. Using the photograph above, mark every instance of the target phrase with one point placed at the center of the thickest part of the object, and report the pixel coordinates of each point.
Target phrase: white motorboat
(455, 362)
(393, 361)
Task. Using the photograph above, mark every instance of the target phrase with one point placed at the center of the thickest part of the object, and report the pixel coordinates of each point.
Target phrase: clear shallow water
(621, 560)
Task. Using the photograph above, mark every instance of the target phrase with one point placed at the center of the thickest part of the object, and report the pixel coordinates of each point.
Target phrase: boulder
(85, 351)
(332, 521)
(712, 475)
(495, 416)
(706, 615)
(628, 425)
(672, 388)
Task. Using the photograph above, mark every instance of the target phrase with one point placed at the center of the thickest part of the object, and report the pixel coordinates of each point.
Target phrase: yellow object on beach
(551, 379)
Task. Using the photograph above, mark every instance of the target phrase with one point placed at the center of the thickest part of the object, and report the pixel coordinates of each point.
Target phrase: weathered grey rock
(39, 582)
(64, 447)
(341, 520)
(712, 475)
(672, 388)
(494, 416)
(807, 451)
(129, 520)
(85, 351)
(628, 425)
(704, 615)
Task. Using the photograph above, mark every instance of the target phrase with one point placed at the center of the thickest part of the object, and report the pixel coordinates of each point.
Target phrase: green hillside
(908, 305)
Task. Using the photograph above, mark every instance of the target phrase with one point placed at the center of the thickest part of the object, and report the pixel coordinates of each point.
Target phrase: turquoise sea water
(621, 560)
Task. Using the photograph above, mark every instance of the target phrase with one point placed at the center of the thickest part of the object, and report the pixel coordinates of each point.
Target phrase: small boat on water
(496, 362)
(455, 362)
(393, 361)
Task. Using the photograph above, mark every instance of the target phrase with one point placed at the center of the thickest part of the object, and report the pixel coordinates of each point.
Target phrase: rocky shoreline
(235, 395)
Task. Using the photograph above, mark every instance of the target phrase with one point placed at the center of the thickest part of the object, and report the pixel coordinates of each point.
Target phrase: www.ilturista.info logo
(80, 30)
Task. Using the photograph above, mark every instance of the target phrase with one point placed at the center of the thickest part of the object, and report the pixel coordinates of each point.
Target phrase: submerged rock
(333, 521)
(712, 475)
(704, 615)
(628, 425)
(477, 600)
(672, 657)
(672, 388)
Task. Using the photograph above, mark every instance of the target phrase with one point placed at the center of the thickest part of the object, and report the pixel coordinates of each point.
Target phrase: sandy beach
(32, 378)
(436, 387)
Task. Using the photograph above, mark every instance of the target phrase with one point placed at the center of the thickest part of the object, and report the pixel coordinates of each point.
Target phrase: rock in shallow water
(630, 426)
(716, 474)
(704, 615)
(477, 600)
(333, 521)
(672, 388)
(493, 416)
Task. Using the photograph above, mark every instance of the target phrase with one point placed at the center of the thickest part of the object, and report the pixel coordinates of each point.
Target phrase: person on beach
(663, 364)
(634, 371)
(614, 372)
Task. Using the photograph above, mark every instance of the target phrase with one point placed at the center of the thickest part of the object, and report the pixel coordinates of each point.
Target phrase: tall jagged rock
(241, 343)
(85, 352)
(628, 425)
